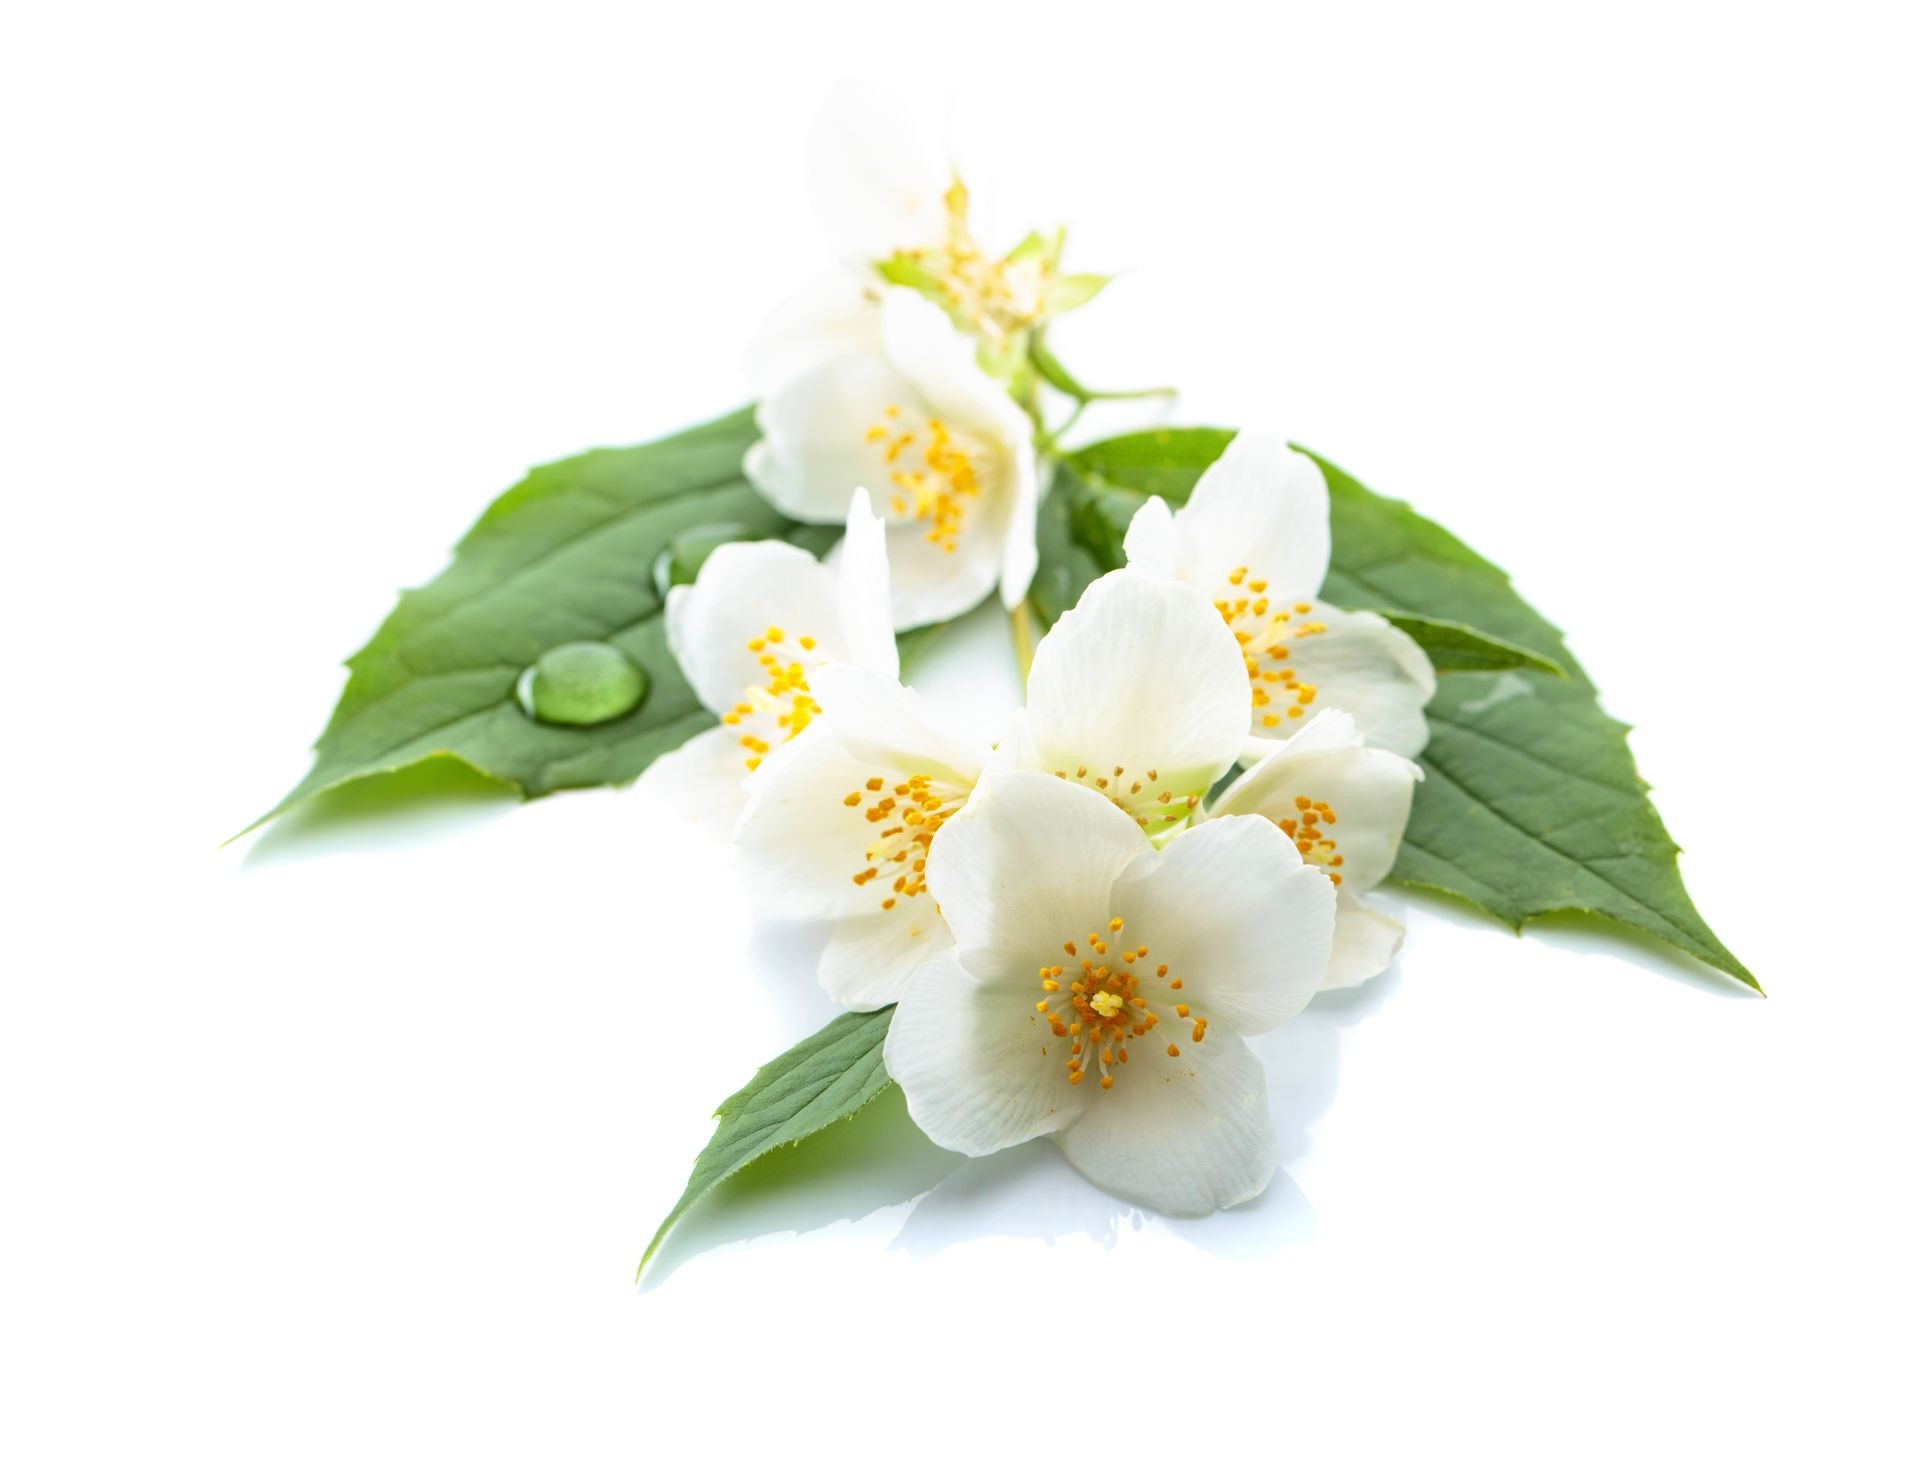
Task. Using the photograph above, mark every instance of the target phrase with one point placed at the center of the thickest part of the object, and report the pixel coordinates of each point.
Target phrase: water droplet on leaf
(582, 684)
(679, 562)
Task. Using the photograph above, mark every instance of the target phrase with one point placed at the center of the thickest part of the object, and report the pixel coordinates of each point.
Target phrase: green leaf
(1036, 245)
(909, 273)
(566, 555)
(1050, 369)
(829, 1076)
(1531, 803)
(1071, 291)
(1453, 647)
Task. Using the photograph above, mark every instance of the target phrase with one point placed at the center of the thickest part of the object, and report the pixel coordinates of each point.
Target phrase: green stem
(1048, 441)
(1021, 619)
(1063, 380)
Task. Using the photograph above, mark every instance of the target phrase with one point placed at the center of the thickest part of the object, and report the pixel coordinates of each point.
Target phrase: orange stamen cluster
(905, 818)
(1263, 632)
(1309, 833)
(1104, 1009)
(937, 490)
(782, 708)
(1155, 814)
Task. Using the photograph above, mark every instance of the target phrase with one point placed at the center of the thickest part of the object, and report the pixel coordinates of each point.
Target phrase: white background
(344, 1141)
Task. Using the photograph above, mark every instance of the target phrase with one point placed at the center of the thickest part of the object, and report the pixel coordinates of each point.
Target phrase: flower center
(1104, 1009)
(1156, 811)
(1308, 829)
(995, 298)
(780, 709)
(1263, 631)
(905, 818)
(933, 479)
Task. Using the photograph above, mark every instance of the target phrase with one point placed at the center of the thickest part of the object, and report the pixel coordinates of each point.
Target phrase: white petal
(1015, 751)
(1028, 865)
(979, 1068)
(866, 611)
(836, 314)
(815, 447)
(1020, 555)
(931, 585)
(923, 345)
(1152, 542)
(869, 958)
(886, 723)
(805, 844)
(1369, 791)
(995, 539)
(1184, 1136)
(1262, 506)
(1364, 942)
(801, 843)
(1237, 918)
(1366, 667)
(1141, 675)
(702, 781)
(878, 182)
(742, 589)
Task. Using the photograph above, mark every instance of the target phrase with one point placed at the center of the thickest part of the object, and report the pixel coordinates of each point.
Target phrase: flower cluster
(1077, 939)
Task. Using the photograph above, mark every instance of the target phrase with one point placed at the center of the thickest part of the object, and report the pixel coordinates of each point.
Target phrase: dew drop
(582, 684)
(679, 562)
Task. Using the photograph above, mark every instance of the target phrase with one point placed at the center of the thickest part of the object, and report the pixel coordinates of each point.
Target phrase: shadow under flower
(879, 1159)
(874, 1160)
(783, 959)
(1032, 1192)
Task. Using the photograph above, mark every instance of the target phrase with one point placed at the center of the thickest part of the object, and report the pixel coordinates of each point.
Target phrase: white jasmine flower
(1254, 538)
(877, 174)
(895, 212)
(949, 456)
(751, 631)
(1137, 693)
(1345, 805)
(1099, 990)
(838, 825)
